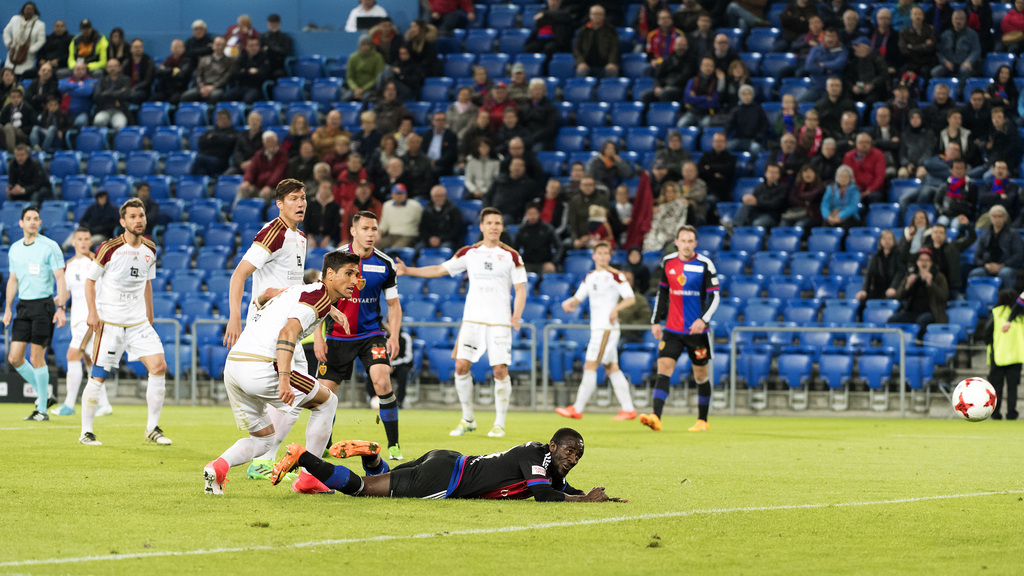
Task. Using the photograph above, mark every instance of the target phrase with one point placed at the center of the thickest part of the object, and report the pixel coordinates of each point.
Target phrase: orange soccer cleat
(288, 463)
(569, 412)
(624, 415)
(350, 448)
(700, 426)
(214, 476)
(651, 421)
(306, 483)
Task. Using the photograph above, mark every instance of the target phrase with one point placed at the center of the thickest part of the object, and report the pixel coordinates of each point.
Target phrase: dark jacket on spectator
(794, 19)
(748, 121)
(246, 146)
(579, 211)
(917, 54)
(242, 75)
(172, 83)
(419, 173)
(537, 243)
(37, 93)
(221, 143)
(445, 223)
(56, 48)
(950, 204)
(723, 164)
(882, 272)
(31, 176)
(29, 116)
(101, 219)
(144, 74)
(196, 48)
(1008, 199)
(323, 221)
(596, 47)
(511, 196)
(771, 200)
(1007, 242)
(277, 46)
(541, 119)
(829, 112)
(112, 94)
(917, 144)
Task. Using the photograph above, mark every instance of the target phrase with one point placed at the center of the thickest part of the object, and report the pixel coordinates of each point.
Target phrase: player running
(121, 317)
(368, 340)
(259, 372)
(687, 299)
(81, 343)
(609, 294)
(494, 270)
(275, 259)
(531, 469)
(35, 262)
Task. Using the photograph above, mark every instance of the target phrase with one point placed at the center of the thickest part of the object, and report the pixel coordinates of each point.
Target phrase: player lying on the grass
(259, 372)
(531, 469)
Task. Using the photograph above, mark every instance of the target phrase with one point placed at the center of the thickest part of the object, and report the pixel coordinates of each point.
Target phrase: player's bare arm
(59, 317)
(613, 317)
(435, 271)
(698, 326)
(596, 494)
(12, 291)
(236, 289)
(90, 299)
(571, 304)
(268, 295)
(518, 305)
(286, 339)
(394, 327)
(656, 331)
(339, 319)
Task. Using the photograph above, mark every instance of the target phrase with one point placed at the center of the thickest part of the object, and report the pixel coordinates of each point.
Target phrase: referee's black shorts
(698, 345)
(33, 321)
(425, 477)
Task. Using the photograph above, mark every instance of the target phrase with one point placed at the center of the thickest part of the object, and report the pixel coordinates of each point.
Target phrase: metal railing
(738, 329)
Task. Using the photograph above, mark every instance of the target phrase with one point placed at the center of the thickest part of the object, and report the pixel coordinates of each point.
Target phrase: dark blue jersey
(377, 280)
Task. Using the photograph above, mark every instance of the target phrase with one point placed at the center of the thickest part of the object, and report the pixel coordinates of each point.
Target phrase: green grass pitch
(755, 495)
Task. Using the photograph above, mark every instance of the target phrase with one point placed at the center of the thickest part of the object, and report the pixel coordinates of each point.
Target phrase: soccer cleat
(395, 453)
(214, 476)
(38, 416)
(156, 435)
(260, 469)
(497, 432)
(287, 463)
(463, 428)
(105, 410)
(308, 484)
(569, 412)
(89, 439)
(350, 448)
(651, 421)
(63, 410)
(625, 415)
(700, 426)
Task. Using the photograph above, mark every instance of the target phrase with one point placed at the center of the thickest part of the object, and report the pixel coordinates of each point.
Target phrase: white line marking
(499, 530)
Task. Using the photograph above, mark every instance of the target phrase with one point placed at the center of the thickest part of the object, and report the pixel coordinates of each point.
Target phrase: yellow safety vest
(1009, 345)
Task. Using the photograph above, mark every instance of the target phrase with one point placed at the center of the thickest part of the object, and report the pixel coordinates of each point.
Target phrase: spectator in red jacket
(266, 169)
(349, 178)
(868, 164)
(364, 200)
(448, 15)
(495, 104)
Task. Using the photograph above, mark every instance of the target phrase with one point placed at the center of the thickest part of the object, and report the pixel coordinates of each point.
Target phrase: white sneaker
(105, 410)
(497, 432)
(157, 436)
(210, 483)
(89, 439)
(463, 427)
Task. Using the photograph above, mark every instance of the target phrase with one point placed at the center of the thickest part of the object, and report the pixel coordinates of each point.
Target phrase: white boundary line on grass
(499, 530)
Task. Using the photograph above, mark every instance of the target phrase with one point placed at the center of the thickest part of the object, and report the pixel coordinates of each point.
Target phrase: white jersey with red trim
(492, 274)
(75, 272)
(122, 273)
(278, 253)
(605, 289)
(307, 303)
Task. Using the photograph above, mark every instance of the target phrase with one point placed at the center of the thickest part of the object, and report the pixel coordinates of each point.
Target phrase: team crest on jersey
(362, 283)
(681, 279)
(378, 352)
(147, 258)
(701, 353)
(322, 369)
(661, 345)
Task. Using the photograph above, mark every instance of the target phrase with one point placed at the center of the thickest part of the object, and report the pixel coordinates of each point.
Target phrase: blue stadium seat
(571, 138)
(600, 135)
(65, 163)
(437, 90)
(179, 164)
(53, 212)
(479, 41)
(213, 258)
(562, 65)
(665, 114)
(983, 289)
(835, 369)
(470, 210)
(797, 87)
(102, 163)
(776, 64)
(993, 60)
(512, 41)
(785, 239)
(269, 111)
(502, 16)
(553, 162)
(761, 39)
(159, 186)
(167, 139)
(307, 109)
(875, 369)
(533, 63)
(731, 263)
(839, 311)
(186, 282)
(753, 61)
(246, 213)
(883, 215)
(863, 240)
(785, 288)
(220, 234)
(141, 163)
(964, 317)
(495, 64)
(795, 369)
(118, 186)
(179, 258)
(171, 210)
(799, 311)
(878, 311)
(449, 44)
(747, 238)
(845, 263)
(326, 91)
(746, 286)
(769, 263)
(764, 88)
(129, 139)
(153, 114)
(440, 360)
(191, 114)
(289, 89)
(637, 365)
(629, 114)
(350, 112)
(579, 89)
(310, 67)
(635, 65)
(190, 188)
(824, 239)
(592, 114)
(579, 266)
(612, 90)
(76, 187)
(91, 139)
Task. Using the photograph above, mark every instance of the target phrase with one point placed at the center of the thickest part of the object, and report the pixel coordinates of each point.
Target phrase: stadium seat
(191, 114)
(571, 138)
(159, 186)
(839, 312)
(769, 263)
(785, 239)
(630, 114)
(579, 89)
(635, 65)
(326, 91)
(470, 210)
(993, 60)
(495, 64)
(179, 164)
(167, 139)
(823, 239)
(288, 90)
(637, 365)
(796, 87)
(746, 286)
(983, 289)
(76, 187)
(171, 210)
(785, 287)
(269, 111)
(612, 90)
(776, 65)
(592, 114)
(761, 39)
(845, 263)
(101, 163)
(437, 90)
(141, 163)
(875, 369)
(799, 311)
(732, 263)
(883, 216)
(153, 114)
(665, 114)
(562, 65)
(764, 88)
(862, 240)
(747, 239)
(532, 63)
(129, 139)
(310, 67)
(91, 139)
(512, 41)
(878, 311)
(179, 258)
(307, 109)
(186, 281)
(247, 213)
(190, 188)
(479, 41)
(795, 369)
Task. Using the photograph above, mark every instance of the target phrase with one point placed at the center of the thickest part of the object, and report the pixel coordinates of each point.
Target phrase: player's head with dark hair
(82, 229)
(602, 244)
(487, 212)
(29, 208)
(686, 228)
(131, 203)
(563, 435)
(341, 274)
(287, 186)
(1006, 297)
(363, 214)
(336, 259)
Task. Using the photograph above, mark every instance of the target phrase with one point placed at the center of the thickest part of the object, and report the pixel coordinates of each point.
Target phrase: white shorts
(603, 347)
(252, 387)
(475, 339)
(112, 341)
(78, 334)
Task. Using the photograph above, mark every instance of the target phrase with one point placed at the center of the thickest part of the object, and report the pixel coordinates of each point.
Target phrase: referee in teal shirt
(35, 261)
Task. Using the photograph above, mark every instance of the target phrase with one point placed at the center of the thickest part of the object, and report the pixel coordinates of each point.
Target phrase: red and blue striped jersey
(688, 291)
(514, 474)
(377, 279)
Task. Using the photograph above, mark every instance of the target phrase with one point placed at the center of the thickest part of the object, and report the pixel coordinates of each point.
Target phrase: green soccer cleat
(260, 469)
(497, 432)
(395, 453)
(463, 428)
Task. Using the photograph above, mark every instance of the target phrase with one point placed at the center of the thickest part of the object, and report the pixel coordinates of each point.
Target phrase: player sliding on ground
(687, 299)
(259, 371)
(609, 294)
(494, 270)
(531, 469)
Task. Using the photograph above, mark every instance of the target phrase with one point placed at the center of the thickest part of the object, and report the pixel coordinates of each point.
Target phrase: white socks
(318, 430)
(283, 423)
(74, 383)
(90, 401)
(245, 449)
(621, 387)
(587, 386)
(464, 387)
(502, 396)
(155, 390)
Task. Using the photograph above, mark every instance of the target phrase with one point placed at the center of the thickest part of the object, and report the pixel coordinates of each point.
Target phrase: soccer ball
(974, 399)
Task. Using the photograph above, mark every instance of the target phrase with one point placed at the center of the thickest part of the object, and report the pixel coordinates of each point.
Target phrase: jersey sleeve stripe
(107, 250)
(463, 251)
(516, 258)
(271, 237)
(537, 482)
